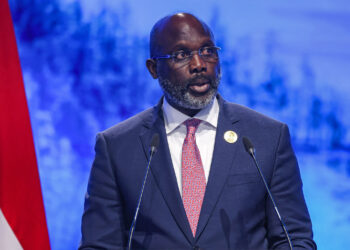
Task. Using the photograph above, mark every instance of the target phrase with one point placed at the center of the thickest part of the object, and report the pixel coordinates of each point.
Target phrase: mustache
(199, 78)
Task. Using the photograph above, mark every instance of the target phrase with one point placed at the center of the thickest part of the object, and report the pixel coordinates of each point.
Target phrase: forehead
(183, 31)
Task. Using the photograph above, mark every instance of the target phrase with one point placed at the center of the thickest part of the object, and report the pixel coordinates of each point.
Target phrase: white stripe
(8, 240)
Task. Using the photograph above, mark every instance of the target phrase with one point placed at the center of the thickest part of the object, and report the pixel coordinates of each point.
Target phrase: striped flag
(22, 214)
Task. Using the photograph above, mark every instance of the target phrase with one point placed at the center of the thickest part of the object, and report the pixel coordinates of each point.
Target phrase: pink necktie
(193, 178)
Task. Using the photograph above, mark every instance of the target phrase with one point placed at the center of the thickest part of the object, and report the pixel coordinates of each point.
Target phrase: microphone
(251, 151)
(152, 150)
(154, 144)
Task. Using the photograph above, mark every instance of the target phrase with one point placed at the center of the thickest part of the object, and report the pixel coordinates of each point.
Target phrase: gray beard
(179, 94)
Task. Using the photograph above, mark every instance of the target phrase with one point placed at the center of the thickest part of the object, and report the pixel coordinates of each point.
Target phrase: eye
(181, 54)
(208, 51)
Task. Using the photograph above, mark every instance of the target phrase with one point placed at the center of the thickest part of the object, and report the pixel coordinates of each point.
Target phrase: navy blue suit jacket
(236, 212)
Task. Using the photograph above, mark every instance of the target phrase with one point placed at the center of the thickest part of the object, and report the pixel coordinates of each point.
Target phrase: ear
(151, 65)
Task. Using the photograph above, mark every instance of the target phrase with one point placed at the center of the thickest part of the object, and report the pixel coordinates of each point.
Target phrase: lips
(200, 87)
(199, 81)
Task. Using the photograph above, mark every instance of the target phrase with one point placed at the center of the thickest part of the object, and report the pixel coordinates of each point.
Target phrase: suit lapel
(163, 172)
(223, 156)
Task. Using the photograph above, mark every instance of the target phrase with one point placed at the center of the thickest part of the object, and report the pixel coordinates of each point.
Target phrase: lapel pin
(230, 136)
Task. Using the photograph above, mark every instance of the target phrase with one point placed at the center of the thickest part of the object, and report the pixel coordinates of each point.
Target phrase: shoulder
(132, 125)
(249, 116)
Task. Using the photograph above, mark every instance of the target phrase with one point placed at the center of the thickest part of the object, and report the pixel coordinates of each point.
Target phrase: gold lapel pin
(230, 136)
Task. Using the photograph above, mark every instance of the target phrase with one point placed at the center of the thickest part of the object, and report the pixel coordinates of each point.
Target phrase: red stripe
(20, 191)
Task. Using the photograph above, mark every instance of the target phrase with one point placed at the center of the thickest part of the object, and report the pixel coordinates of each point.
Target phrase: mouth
(199, 88)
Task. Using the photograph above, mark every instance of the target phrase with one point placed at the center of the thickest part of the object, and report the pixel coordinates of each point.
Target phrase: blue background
(84, 70)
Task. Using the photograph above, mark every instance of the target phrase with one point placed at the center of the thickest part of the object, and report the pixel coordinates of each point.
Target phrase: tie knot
(192, 125)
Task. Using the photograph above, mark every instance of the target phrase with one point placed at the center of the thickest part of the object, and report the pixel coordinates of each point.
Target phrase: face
(192, 85)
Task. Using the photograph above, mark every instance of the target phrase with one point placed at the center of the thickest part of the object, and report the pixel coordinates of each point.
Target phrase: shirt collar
(174, 118)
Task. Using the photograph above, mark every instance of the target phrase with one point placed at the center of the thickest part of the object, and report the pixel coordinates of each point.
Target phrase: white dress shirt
(205, 135)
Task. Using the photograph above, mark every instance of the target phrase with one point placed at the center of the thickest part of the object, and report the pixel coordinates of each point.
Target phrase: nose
(197, 64)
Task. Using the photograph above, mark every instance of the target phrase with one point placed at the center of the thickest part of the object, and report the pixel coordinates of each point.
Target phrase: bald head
(169, 27)
(189, 84)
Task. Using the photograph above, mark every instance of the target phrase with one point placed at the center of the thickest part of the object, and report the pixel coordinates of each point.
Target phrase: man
(203, 190)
